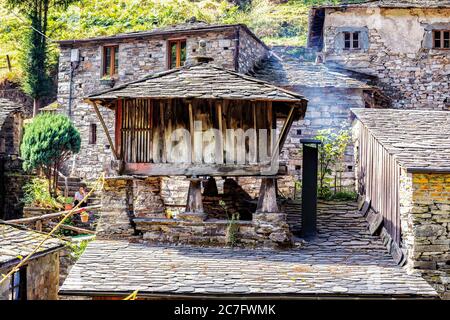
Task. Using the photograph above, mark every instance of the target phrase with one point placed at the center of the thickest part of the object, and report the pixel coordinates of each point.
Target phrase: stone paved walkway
(344, 260)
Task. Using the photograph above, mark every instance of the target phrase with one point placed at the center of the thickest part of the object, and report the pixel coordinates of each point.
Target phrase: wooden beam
(283, 134)
(49, 215)
(105, 128)
(182, 169)
(72, 228)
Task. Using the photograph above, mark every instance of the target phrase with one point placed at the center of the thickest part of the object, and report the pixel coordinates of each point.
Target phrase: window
(177, 53)
(92, 133)
(352, 40)
(18, 285)
(441, 39)
(110, 60)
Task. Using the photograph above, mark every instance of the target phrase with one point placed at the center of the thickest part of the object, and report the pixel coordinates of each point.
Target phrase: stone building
(90, 65)
(403, 170)
(405, 44)
(38, 278)
(11, 174)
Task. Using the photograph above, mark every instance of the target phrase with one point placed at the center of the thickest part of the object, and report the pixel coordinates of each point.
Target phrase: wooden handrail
(48, 215)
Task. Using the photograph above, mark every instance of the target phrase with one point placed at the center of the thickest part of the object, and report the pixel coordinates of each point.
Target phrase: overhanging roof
(200, 81)
(17, 242)
(391, 4)
(418, 139)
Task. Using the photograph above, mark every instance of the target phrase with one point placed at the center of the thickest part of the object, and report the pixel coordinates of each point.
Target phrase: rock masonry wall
(42, 278)
(425, 216)
(411, 74)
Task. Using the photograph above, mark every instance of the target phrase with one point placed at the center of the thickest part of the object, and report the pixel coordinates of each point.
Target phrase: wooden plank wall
(147, 127)
(381, 178)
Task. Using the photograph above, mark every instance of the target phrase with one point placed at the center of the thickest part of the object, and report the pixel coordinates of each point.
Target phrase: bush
(36, 194)
(48, 141)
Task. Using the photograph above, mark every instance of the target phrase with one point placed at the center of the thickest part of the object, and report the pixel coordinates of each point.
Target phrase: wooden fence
(379, 173)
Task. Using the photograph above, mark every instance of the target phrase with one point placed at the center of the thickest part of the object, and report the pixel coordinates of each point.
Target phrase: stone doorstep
(187, 223)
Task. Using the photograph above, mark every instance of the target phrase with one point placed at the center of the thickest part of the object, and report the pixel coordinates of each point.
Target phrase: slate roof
(344, 260)
(8, 107)
(291, 72)
(15, 242)
(392, 4)
(181, 28)
(202, 80)
(418, 139)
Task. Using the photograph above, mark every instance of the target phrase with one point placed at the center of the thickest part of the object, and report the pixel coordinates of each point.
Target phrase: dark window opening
(441, 39)
(110, 61)
(352, 40)
(92, 133)
(177, 53)
(18, 285)
(299, 132)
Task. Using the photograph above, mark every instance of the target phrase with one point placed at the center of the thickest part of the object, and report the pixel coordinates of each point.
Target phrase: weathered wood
(182, 169)
(49, 215)
(219, 143)
(283, 134)
(72, 228)
(38, 225)
(105, 128)
(267, 201)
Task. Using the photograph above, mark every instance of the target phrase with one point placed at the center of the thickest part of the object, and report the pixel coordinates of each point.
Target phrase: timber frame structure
(205, 101)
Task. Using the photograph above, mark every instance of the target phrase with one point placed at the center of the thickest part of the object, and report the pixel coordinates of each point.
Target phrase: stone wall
(425, 216)
(265, 229)
(42, 278)
(251, 52)
(137, 58)
(398, 52)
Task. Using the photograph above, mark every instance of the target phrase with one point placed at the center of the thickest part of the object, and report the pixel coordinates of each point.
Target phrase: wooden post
(105, 128)
(8, 62)
(194, 206)
(38, 225)
(267, 201)
(220, 142)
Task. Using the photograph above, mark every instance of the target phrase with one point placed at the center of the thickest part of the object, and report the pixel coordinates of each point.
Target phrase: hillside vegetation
(275, 21)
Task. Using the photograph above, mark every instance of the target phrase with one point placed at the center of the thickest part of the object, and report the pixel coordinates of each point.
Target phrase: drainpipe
(74, 63)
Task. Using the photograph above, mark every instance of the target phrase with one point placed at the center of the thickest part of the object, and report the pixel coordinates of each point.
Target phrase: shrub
(331, 155)
(36, 194)
(49, 140)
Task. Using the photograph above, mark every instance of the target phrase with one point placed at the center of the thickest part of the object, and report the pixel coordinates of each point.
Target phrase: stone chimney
(201, 56)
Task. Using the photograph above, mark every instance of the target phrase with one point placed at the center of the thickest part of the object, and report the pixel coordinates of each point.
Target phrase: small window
(18, 285)
(110, 60)
(92, 133)
(441, 39)
(177, 53)
(352, 40)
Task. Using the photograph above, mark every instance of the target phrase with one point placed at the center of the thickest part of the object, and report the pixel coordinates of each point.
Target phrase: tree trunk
(35, 107)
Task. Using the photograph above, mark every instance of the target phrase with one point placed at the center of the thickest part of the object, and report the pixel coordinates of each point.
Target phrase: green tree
(331, 155)
(49, 140)
(35, 63)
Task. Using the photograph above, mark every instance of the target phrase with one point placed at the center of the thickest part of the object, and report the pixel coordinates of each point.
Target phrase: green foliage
(34, 59)
(232, 230)
(331, 156)
(77, 248)
(282, 23)
(36, 194)
(49, 140)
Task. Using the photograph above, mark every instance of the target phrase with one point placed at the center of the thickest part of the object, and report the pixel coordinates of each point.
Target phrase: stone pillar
(147, 201)
(114, 219)
(194, 206)
(271, 224)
